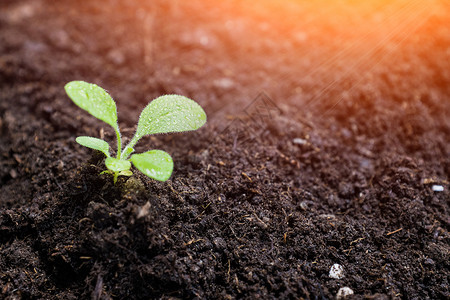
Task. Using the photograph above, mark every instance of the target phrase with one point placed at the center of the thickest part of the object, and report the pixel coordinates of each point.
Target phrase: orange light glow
(339, 44)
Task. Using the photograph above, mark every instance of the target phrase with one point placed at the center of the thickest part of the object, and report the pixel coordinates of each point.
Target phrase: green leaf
(117, 165)
(170, 113)
(93, 99)
(93, 143)
(156, 164)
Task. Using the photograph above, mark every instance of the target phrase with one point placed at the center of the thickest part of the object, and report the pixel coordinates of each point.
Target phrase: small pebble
(336, 271)
(437, 188)
(344, 292)
(303, 205)
(13, 173)
(299, 141)
(144, 210)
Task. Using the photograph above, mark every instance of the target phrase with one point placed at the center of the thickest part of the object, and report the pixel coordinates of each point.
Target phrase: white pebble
(437, 188)
(344, 292)
(336, 271)
(299, 141)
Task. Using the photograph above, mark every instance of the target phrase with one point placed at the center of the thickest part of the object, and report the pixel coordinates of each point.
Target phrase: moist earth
(327, 142)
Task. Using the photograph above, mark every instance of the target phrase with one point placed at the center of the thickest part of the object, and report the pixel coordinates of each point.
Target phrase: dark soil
(328, 132)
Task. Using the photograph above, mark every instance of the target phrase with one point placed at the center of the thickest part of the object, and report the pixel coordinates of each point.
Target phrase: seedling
(169, 113)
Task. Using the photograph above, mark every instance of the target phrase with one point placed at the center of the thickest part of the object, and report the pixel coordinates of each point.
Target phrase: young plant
(169, 113)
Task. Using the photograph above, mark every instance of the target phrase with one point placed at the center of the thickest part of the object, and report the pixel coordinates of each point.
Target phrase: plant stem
(119, 142)
(131, 144)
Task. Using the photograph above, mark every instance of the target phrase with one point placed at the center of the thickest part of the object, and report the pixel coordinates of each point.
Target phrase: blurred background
(338, 54)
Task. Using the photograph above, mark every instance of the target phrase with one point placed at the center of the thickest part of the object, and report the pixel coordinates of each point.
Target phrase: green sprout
(168, 113)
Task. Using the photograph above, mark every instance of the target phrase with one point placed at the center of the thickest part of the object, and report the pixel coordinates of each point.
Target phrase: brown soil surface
(328, 134)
